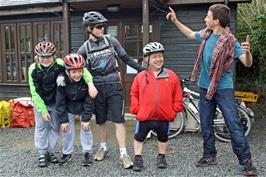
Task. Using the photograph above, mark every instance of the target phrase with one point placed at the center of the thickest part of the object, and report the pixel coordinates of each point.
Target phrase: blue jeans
(225, 99)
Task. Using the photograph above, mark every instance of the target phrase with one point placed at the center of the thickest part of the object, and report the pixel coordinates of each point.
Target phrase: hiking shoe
(126, 161)
(161, 162)
(42, 161)
(52, 158)
(87, 161)
(249, 169)
(100, 154)
(65, 159)
(138, 164)
(206, 161)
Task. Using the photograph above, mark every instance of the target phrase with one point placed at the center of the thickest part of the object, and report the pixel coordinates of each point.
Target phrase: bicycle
(191, 113)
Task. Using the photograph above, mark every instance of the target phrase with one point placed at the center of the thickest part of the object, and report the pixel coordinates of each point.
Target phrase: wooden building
(133, 22)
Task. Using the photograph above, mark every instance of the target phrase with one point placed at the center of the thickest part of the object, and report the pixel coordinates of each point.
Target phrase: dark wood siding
(77, 31)
(180, 51)
(8, 92)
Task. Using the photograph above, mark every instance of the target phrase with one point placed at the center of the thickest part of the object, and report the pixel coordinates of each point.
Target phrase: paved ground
(18, 156)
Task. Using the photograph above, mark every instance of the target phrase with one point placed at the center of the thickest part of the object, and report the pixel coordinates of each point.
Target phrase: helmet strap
(94, 36)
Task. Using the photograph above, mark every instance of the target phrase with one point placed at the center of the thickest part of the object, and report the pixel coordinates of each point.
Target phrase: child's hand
(85, 126)
(92, 90)
(60, 81)
(64, 127)
(245, 45)
(46, 117)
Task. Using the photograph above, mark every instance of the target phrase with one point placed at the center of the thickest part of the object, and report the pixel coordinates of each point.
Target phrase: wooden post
(145, 22)
(66, 25)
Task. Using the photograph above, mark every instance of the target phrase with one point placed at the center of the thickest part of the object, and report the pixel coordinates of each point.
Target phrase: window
(17, 47)
(133, 39)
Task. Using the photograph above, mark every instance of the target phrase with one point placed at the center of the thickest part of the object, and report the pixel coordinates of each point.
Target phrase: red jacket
(159, 99)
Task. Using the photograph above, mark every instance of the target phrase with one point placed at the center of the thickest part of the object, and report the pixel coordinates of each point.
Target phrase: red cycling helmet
(45, 49)
(74, 61)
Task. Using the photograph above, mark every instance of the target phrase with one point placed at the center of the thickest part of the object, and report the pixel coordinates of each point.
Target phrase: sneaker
(126, 161)
(65, 159)
(52, 158)
(249, 169)
(100, 154)
(138, 164)
(87, 161)
(206, 161)
(42, 161)
(161, 162)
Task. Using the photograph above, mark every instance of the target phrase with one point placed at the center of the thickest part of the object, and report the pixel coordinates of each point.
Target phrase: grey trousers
(46, 133)
(68, 138)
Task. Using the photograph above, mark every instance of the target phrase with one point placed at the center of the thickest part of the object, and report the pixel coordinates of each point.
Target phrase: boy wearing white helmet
(156, 96)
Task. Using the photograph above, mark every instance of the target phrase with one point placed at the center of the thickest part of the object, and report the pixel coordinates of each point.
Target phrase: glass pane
(62, 41)
(24, 64)
(8, 68)
(7, 35)
(140, 47)
(112, 30)
(14, 68)
(11, 67)
(131, 48)
(22, 35)
(42, 31)
(28, 47)
(131, 31)
(13, 42)
(58, 36)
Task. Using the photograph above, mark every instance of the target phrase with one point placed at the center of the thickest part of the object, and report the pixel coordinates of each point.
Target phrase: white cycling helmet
(152, 47)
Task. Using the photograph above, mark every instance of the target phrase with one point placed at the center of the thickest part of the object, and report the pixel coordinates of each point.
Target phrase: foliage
(252, 20)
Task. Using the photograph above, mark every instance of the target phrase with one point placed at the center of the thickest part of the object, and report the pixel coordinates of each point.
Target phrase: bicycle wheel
(175, 127)
(221, 132)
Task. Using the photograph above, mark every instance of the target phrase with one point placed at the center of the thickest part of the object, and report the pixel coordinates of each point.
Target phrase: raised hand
(171, 15)
(246, 45)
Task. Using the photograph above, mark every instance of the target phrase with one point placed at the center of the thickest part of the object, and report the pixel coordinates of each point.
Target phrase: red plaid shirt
(222, 58)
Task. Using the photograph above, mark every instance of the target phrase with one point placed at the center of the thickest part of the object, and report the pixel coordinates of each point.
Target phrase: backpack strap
(108, 42)
(88, 52)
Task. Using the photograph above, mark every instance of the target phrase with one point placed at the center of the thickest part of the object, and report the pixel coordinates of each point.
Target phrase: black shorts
(159, 126)
(109, 103)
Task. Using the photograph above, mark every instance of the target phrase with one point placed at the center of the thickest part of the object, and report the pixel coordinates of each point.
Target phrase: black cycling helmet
(93, 18)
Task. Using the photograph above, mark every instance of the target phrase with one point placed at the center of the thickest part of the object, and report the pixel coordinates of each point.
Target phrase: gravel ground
(19, 158)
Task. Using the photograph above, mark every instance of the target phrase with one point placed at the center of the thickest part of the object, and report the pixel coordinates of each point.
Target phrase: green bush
(252, 20)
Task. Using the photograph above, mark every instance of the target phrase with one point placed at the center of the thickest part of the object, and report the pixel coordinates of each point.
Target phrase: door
(129, 34)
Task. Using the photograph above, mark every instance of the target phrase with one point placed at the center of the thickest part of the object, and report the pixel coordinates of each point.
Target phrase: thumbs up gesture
(245, 45)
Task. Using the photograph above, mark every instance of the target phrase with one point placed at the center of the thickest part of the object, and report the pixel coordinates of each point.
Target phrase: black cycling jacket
(43, 81)
(73, 98)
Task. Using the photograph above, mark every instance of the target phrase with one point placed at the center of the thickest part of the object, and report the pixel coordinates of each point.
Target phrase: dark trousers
(225, 99)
